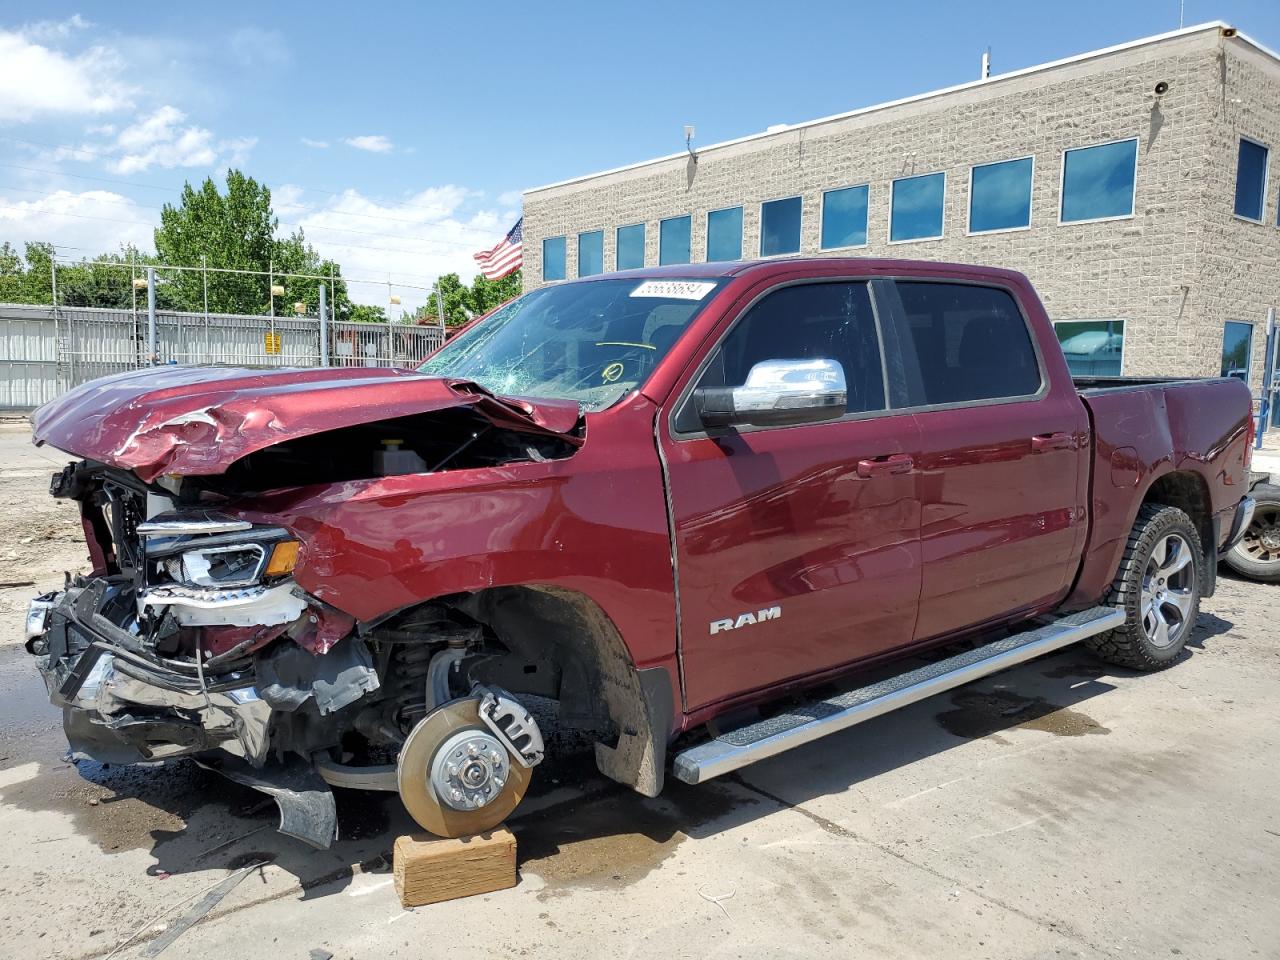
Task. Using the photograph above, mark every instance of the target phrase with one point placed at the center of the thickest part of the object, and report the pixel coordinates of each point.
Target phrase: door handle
(885, 466)
(1052, 441)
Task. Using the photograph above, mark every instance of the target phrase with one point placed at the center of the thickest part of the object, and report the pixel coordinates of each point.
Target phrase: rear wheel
(1257, 555)
(1158, 587)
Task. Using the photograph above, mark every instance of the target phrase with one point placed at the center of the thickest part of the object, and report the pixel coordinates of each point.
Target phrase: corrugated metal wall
(43, 354)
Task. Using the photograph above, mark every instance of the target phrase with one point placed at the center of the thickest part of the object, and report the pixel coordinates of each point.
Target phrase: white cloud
(39, 81)
(287, 201)
(374, 143)
(164, 139)
(315, 144)
(512, 198)
(46, 31)
(85, 224)
(431, 232)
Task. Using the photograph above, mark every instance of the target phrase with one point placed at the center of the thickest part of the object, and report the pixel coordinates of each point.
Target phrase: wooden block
(429, 869)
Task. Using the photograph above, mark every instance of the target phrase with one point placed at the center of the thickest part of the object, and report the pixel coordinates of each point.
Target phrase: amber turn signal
(283, 558)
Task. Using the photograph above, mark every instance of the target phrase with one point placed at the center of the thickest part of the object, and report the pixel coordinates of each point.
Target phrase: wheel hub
(1168, 590)
(469, 770)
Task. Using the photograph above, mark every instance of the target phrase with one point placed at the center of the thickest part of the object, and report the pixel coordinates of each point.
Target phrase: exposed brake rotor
(455, 777)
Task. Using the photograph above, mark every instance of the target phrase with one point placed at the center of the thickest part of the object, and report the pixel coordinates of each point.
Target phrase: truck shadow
(575, 829)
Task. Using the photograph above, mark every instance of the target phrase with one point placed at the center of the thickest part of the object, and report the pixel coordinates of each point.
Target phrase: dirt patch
(981, 713)
(40, 537)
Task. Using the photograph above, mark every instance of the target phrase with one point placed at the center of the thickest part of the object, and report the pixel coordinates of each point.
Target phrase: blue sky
(400, 134)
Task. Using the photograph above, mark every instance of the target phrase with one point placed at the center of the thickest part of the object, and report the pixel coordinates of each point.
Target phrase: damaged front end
(190, 638)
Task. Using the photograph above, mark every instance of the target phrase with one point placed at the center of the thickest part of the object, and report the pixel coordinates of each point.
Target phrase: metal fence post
(324, 329)
(1270, 374)
(151, 315)
(204, 274)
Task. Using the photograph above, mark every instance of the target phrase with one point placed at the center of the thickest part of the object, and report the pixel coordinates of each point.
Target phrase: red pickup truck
(675, 501)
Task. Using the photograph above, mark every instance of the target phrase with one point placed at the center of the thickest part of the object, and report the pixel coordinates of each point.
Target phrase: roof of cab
(858, 266)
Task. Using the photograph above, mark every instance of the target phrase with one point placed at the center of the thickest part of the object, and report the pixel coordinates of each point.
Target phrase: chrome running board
(807, 722)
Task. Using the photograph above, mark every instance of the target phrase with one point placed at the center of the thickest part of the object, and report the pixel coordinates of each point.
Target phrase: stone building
(1130, 184)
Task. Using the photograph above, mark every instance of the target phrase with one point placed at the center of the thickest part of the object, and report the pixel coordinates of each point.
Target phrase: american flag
(505, 258)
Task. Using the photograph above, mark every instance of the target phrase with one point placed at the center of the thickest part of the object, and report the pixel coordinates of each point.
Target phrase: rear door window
(970, 342)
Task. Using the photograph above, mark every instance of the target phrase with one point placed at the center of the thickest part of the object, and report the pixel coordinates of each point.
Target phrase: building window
(1093, 348)
(1098, 182)
(780, 227)
(1251, 180)
(590, 253)
(844, 217)
(553, 258)
(630, 252)
(724, 234)
(1000, 196)
(915, 208)
(673, 240)
(1237, 349)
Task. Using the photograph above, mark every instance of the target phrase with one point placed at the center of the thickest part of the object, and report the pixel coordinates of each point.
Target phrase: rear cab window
(970, 343)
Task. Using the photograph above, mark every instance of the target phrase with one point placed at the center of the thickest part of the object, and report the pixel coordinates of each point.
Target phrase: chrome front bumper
(1240, 522)
(121, 703)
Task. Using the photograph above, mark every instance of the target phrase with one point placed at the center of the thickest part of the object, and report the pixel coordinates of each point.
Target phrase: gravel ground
(1060, 809)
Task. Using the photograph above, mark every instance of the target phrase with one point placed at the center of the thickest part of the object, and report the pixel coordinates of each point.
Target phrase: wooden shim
(430, 869)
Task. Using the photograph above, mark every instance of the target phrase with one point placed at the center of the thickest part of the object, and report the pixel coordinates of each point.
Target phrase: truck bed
(1191, 435)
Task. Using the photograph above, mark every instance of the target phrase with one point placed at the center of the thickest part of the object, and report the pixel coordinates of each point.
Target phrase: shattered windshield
(592, 342)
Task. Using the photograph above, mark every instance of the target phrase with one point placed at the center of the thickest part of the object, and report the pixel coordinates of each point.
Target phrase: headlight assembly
(237, 565)
(220, 560)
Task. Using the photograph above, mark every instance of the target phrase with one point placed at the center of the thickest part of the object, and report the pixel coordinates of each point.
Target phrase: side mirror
(777, 393)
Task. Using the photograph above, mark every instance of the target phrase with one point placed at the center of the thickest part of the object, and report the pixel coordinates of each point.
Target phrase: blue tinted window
(1097, 182)
(780, 227)
(631, 246)
(590, 253)
(1000, 196)
(844, 217)
(724, 234)
(1251, 180)
(1237, 349)
(553, 258)
(673, 240)
(916, 207)
(1093, 348)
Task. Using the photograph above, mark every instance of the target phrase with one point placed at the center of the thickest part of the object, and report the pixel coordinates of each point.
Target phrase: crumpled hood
(200, 420)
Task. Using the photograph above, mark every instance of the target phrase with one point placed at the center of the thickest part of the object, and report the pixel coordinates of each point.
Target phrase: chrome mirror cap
(777, 393)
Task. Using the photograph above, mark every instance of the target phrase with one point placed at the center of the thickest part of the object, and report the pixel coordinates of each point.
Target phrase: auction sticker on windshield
(674, 289)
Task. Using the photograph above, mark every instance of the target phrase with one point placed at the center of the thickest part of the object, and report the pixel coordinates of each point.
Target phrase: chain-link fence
(45, 351)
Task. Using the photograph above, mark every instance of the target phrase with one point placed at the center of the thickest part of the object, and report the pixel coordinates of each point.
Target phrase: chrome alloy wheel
(1168, 590)
(1261, 541)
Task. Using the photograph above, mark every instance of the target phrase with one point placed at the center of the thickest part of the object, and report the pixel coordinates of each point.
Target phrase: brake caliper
(511, 723)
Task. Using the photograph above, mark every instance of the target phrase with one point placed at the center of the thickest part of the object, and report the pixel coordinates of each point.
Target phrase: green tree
(236, 230)
(107, 281)
(463, 303)
(363, 313)
(487, 294)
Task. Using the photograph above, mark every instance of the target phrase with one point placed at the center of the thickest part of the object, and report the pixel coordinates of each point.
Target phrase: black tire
(1150, 595)
(1257, 556)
